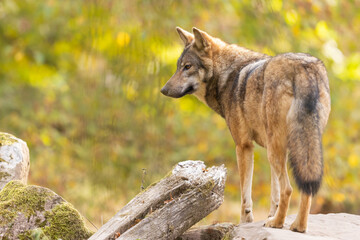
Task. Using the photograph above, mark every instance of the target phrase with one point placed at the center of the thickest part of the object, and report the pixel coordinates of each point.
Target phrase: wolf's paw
(273, 223)
(297, 227)
(247, 216)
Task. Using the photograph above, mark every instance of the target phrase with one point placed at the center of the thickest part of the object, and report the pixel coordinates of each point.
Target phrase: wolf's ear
(185, 36)
(202, 39)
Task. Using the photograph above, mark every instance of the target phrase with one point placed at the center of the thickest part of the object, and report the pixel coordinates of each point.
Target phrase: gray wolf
(280, 102)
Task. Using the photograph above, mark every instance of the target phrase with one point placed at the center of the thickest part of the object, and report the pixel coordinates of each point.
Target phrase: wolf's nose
(164, 91)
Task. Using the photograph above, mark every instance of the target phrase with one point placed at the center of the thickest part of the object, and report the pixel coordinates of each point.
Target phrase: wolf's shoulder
(303, 58)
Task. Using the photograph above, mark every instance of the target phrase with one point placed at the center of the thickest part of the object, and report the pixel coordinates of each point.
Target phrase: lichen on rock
(28, 210)
(4, 175)
(6, 139)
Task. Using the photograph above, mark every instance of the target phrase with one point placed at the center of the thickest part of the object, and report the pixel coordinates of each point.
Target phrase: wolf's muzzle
(164, 91)
(177, 94)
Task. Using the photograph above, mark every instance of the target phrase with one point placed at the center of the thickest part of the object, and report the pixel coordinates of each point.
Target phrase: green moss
(227, 236)
(35, 234)
(16, 197)
(62, 221)
(59, 227)
(6, 139)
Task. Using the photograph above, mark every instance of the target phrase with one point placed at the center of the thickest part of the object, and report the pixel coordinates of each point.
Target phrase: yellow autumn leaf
(276, 5)
(45, 138)
(339, 197)
(322, 30)
(19, 56)
(292, 17)
(353, 160)
(122, 39)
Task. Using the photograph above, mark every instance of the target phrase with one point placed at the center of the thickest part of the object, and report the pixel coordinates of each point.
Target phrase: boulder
(14, 159)
(33, 212)
(320, 227)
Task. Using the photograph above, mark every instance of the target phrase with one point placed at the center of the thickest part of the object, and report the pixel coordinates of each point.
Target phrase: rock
(14, 159)
(320, 227)
(33, 212)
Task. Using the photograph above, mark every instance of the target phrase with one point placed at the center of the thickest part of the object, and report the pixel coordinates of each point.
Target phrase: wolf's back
(305, 126)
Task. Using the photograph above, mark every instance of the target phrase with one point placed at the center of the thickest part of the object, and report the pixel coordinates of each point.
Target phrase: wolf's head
(194, 67)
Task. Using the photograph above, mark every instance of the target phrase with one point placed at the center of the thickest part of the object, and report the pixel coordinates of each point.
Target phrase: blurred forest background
(80, 81)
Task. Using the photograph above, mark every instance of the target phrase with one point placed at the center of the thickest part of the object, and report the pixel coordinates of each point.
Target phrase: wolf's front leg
(245, 161)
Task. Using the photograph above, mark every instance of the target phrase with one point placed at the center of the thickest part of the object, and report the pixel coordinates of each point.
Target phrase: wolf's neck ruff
(230, 61)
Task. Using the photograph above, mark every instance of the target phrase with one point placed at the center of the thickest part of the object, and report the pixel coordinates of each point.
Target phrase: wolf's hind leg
(300, 223)
(275, 193)
(245, 161)
(277, 159)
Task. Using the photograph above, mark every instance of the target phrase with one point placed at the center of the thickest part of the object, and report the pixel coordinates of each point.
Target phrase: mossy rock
(6, 139)
(33, 212)
(14, 159)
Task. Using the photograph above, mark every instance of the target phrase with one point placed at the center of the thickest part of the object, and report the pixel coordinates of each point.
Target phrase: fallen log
(168, 208)
(219, 231)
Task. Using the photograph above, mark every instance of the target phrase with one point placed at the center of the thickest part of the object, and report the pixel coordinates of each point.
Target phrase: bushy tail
(304, 136)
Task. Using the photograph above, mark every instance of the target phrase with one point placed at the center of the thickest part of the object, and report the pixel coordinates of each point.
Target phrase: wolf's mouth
(188, 90)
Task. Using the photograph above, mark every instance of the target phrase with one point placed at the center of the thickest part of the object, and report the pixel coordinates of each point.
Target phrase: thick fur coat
(280, 102)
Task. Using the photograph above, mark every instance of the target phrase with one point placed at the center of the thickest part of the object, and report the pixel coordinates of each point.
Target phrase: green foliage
(80, 81)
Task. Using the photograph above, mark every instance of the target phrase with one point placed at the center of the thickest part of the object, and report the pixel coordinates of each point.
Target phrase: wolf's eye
(187, 67)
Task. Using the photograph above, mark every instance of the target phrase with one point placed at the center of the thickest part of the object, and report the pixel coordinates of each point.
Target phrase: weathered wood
(220, 231)
(171, 206)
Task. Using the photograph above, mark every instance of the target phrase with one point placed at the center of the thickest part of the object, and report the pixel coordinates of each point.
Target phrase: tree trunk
(168, 208)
